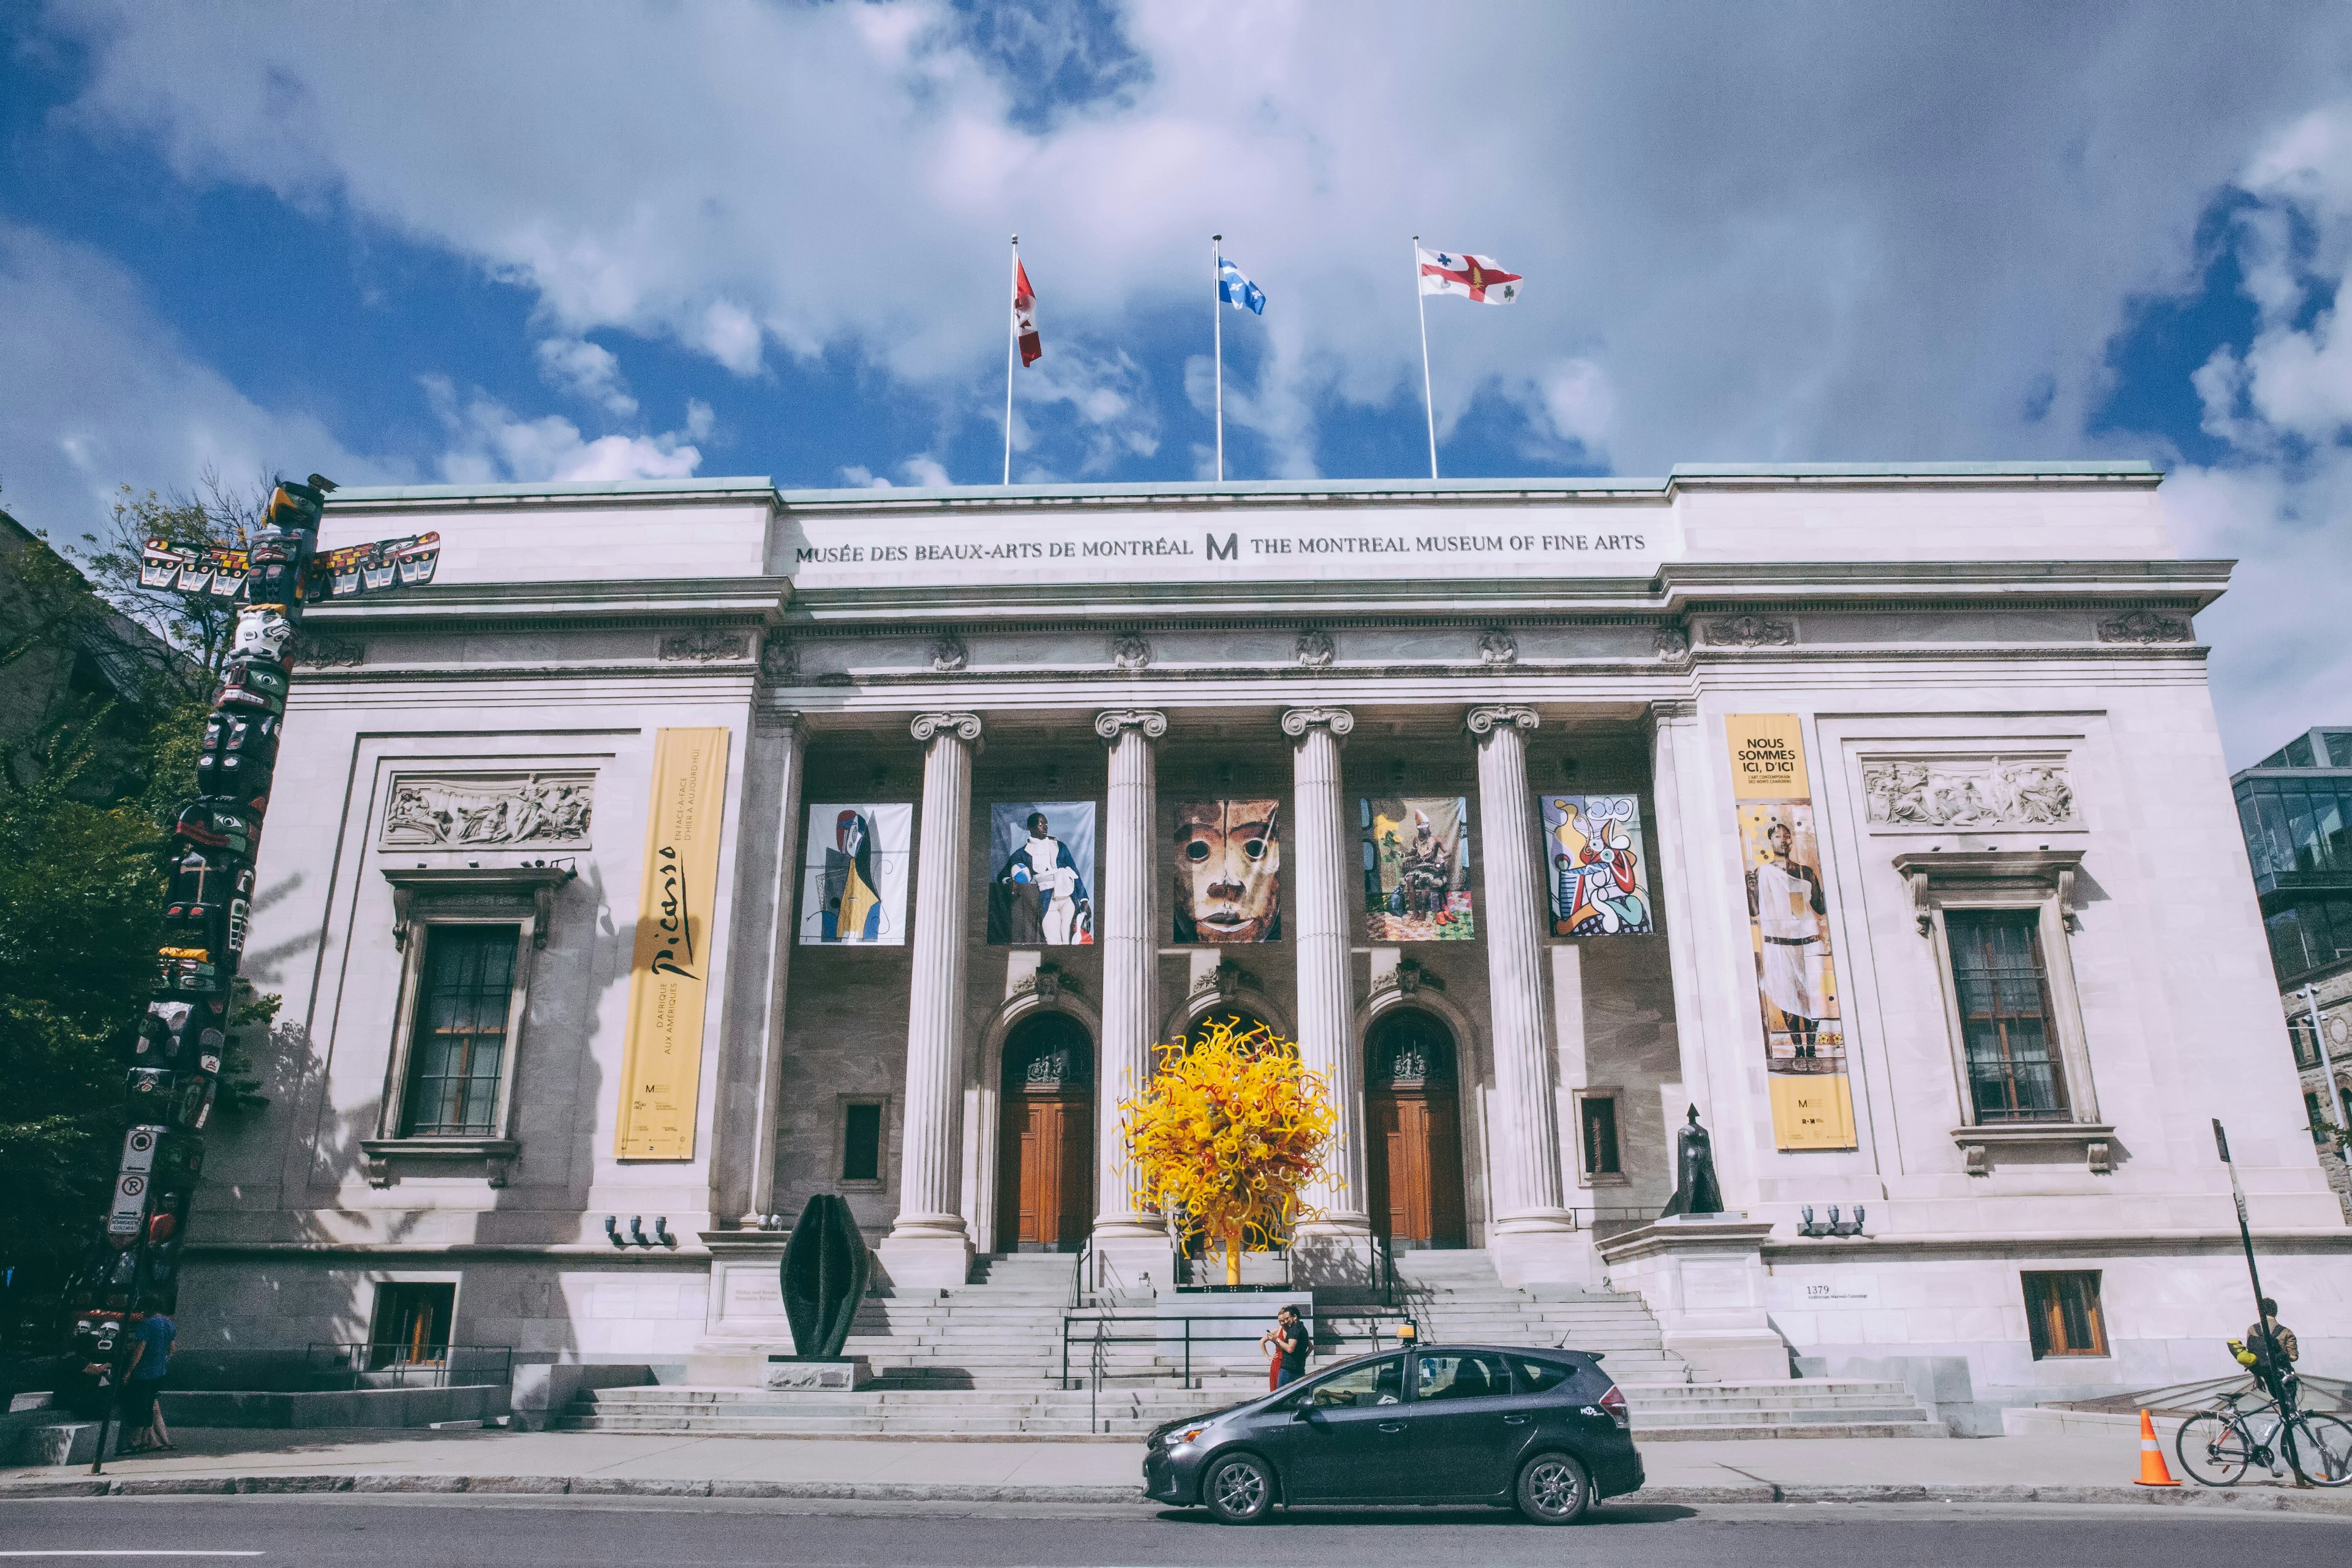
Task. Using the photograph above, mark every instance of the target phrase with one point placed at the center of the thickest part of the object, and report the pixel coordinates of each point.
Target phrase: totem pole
(176, 1062)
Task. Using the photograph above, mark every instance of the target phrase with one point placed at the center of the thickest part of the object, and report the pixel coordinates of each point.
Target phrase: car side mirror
(1305, 1411)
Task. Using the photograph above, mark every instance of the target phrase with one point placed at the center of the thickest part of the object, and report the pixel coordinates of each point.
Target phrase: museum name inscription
(1234, 547)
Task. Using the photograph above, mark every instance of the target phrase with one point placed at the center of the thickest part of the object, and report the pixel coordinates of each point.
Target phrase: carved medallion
(780, 658)
(1497, 649)
(1749, 631)
(704, 647)
(1314, 649)
(2145, 626)
(948, 654)
(1130, 651)
(1671, 642)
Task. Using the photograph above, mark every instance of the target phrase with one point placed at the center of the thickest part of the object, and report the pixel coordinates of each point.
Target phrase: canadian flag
(1024, 315)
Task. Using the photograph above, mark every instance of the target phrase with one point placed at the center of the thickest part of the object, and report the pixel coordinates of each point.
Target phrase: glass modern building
(2295, 806)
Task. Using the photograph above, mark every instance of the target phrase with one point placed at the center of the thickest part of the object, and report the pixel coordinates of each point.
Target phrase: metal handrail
(1101, 1367)
(1103, 1318)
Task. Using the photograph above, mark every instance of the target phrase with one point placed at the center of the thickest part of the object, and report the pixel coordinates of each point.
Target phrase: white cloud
(100, 392)
(490, 444)
(587, 370)
(921, 470)
(1780, 256)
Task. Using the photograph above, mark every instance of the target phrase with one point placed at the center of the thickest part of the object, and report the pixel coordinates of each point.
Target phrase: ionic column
(1318, 918)
(1532, 1235)
(1130, 1241)
(928, 1244)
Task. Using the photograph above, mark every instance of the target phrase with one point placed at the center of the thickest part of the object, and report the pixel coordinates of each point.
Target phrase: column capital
(1115, 722)
(1673, 710)
(1483, 721)
(963, 726)
(1296, 722)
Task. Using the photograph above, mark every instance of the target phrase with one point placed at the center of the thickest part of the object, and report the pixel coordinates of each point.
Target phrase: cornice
(751, 602)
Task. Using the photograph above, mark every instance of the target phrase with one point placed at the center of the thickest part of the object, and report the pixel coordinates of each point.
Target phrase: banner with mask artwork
(1417, 869)
(1042, 872)
(1597, 877)
(1789, 928)
(1226, 870)
(854, 876)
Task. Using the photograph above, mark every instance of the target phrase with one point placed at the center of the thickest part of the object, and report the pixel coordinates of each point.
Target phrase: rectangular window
(861, 1143)
(458, 1050)
(2062, 1313)
(2005, 1016)
(2298, 753)
(2339, 747)
(412, 1325)
(1600, 1135)
(2315, 1115)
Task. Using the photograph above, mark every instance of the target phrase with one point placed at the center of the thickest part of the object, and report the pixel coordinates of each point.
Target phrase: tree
(201, 627)
(1226, 1134)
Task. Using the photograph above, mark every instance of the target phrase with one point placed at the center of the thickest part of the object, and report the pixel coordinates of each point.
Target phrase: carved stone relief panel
(489, 811)
(1915, 794)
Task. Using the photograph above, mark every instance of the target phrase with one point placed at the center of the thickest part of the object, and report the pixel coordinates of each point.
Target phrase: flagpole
(1217, 335)
(1011, 349)
(1428, 404)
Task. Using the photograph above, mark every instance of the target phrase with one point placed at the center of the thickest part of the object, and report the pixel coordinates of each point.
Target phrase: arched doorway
(1045, 1143)
(1412, 1126)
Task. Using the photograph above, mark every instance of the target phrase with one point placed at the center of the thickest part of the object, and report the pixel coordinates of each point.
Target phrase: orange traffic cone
(2152, 1472)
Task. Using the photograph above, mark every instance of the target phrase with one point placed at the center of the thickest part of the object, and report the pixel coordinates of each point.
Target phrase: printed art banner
(854, 876)
(1788, 924)
(1417, 869)
(1040, 889)
(670, 972)
(1598, 883)
(1226, 865)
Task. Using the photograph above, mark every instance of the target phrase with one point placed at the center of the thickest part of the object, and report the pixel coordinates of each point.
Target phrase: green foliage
(198, 626)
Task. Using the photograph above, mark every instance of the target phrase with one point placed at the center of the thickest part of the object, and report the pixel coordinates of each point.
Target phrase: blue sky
(490, 241)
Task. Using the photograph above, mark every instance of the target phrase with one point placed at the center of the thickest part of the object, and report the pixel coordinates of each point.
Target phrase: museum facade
(688, 850)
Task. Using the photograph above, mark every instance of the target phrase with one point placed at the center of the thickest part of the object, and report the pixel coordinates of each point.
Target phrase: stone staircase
(986, 1360)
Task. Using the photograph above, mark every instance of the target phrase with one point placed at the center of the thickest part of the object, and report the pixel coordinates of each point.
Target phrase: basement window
(2062, 1313)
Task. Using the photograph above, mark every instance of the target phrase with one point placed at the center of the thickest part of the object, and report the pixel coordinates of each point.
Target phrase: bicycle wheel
(2214, 1449)
(2321, 1446)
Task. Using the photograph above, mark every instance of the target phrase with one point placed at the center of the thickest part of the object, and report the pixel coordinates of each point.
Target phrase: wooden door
(1045, 1173)
(1415, 1166)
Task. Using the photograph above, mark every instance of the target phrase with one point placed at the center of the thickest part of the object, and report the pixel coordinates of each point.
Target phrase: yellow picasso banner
(669, 976)
(1789, 928)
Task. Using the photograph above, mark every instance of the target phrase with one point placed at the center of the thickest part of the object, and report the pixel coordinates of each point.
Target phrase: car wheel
(1554, 1489)
(1240, 1490)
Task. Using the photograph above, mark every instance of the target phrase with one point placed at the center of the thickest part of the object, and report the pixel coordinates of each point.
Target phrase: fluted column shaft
(1317, 917)
(1130, 952)
(928, 1244)
(1526, 1136)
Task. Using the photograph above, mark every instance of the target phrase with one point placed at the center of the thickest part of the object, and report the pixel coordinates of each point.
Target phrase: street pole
(1217, 339)
(1428, 403)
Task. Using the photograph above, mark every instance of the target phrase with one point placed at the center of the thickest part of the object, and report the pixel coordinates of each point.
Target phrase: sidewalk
(2088, 1467)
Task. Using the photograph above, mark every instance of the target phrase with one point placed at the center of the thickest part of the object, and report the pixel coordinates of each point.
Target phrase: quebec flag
(1235, 289)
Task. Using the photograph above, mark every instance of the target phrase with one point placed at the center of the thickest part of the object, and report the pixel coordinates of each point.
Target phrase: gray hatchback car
(1544, 1429)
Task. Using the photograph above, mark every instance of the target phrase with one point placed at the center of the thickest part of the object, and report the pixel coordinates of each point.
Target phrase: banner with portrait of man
(1041, 873)
(1417, 869)
(1789, 929)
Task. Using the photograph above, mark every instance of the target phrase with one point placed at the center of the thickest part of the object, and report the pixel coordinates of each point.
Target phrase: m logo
(1231, 550)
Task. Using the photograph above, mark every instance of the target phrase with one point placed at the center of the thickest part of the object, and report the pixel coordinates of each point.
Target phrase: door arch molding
(1475, 1081)
(983, 1095)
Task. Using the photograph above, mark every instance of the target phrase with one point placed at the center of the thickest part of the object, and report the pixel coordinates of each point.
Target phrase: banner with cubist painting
(1417, 869)
(853, 875)
(1041, 873)
(1788, 924)
(1597, 877)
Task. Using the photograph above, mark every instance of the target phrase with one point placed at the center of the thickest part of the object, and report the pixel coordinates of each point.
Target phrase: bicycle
(2217, 1446)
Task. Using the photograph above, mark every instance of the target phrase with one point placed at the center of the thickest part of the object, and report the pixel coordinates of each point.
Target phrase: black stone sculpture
(1695, 1189)
(824, 1271)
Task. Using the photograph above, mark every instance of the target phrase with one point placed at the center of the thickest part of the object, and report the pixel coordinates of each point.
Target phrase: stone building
(677, 855)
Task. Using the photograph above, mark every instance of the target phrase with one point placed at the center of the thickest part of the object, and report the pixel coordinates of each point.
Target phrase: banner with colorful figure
(1596, 879)
(1789, 929)
(1417, 869)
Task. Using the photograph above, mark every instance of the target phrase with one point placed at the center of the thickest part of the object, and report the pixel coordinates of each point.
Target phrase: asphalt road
(690, 1533)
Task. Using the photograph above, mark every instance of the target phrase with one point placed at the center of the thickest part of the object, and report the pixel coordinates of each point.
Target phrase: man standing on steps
(1286, 1342)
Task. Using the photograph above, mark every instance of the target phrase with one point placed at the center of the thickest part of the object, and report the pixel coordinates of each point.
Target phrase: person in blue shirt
(142, 1381)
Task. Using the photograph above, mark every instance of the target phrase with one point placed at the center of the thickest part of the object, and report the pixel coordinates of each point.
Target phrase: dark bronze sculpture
(1695, 1189)
(824, 1271)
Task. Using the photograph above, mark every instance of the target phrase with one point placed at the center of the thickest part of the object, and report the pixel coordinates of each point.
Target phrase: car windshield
(1372, 1382)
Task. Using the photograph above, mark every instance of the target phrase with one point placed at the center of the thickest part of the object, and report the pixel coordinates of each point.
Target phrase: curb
(2257, 1499)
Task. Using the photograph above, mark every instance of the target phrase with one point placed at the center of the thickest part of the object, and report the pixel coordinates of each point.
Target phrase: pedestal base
(1334, 1250)
(923, 1256)
(1702, 1276)
(1542, 1251)
(789, 1374)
